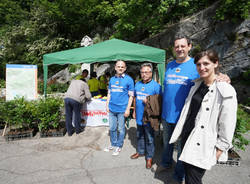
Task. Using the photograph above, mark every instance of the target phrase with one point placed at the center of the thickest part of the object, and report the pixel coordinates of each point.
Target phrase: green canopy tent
(110, 50)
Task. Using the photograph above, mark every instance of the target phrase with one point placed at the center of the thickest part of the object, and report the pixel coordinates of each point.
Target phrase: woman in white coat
(207, 122)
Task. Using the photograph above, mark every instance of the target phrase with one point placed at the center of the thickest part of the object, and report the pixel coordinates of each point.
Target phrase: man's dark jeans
(72, 107)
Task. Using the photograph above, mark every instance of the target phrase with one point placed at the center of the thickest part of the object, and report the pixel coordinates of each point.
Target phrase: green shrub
(74, 68)
(2, 109)
(22, 114)
(233, 9)
(17, 113)
(53, 88)
(48, 113)
(9, 113)
(57, 88)
(40, 87)
(2, 83)
(242, 126)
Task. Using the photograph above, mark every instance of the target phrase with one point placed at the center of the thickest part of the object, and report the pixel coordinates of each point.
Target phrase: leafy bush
(2, 83)
(74, 68)
(48, 113)
(2, 109)
(30, 29)
(233, 9)
(17, 113)
(53, 88)
(7, 111)
(23, 113)
(242, 126)
(20, 113)
(57, 87)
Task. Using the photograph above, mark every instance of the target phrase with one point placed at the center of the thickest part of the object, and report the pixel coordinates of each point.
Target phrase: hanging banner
(94, 113)
(21, 81)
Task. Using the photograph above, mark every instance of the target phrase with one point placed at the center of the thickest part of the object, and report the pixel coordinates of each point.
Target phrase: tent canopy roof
(110, 50)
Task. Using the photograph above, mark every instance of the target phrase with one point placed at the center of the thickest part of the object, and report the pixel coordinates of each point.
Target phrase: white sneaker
(107, 149)
(116, 151)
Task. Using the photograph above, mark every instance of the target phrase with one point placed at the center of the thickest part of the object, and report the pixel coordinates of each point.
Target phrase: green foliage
(57, 88)
(53, 88)
(27, 41)
(233, 9)
(40, 87)
(2, 83)
(23, 117)
(74, 68)
(7, 110)
(12, 12)
(48, 113)
(20, 113)
(31, 28)
(2, 110)
(17, 113)
(242, 126)
(23, 45)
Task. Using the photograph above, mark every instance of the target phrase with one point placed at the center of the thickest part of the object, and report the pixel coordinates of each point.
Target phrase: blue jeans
(167, 155)
(117, 128)
(72, 106)
(145, 140)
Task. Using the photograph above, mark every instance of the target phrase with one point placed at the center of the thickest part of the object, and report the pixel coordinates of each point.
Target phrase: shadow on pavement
(131, 132)
(164, 176)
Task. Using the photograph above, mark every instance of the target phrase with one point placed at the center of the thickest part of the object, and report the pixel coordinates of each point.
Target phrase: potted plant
(48, 117)
(17, 114)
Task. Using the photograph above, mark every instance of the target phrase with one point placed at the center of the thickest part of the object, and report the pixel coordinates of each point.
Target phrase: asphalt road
(81, 159)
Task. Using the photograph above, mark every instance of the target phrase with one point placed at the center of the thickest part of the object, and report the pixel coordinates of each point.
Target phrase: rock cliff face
(230, 39)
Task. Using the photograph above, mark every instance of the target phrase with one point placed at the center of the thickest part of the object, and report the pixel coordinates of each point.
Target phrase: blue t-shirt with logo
(142, 90)
(120, 88)
(177, 84)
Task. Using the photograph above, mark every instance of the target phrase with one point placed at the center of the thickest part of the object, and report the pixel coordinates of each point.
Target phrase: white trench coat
(214, 125)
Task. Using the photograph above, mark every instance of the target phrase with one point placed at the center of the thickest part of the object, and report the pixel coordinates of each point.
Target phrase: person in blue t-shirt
(119, 100)
(144, 132)
(178, 81)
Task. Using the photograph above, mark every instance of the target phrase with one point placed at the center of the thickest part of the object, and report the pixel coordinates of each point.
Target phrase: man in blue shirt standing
(119, 100)
(177, 83)
(144, 132)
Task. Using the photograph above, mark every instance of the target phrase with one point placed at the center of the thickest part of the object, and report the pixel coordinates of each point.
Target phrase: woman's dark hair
(85, 71)
(211, 54)
(107, 74)
(93, 75)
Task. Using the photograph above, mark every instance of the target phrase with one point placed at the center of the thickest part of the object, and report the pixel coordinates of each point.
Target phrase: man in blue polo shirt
(144, 131)
(119, 100)
(178, 81)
